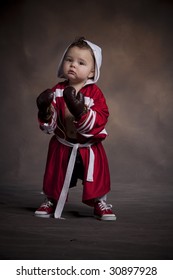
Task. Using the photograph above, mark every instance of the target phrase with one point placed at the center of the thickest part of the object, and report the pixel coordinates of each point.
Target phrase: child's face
(78, 65)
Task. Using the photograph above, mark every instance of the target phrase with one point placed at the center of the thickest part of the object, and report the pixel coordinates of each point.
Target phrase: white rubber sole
(106, 218)
(44, 216)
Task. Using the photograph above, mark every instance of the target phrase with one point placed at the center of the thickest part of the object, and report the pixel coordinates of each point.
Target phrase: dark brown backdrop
(136, 78)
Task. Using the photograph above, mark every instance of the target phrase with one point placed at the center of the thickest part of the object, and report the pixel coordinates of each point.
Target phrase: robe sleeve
(50, 126)
(92, 124)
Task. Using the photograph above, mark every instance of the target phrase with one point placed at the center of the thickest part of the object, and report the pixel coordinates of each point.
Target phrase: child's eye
(68, 59)
(82, 63)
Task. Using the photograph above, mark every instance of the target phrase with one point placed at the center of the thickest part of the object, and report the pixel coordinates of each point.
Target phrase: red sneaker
(102, 211)
(46, 210)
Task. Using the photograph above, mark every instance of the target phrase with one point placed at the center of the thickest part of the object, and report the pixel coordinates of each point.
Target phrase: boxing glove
(44, 101)
(75, 103)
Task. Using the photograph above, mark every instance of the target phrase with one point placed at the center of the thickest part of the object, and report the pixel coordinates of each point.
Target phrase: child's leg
(78, 172)
(101, 198)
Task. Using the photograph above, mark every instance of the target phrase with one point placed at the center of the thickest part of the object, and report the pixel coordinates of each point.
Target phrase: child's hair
(82, 44)
(79, 42)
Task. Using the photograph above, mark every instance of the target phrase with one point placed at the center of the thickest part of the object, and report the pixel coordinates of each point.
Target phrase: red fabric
(93, 130)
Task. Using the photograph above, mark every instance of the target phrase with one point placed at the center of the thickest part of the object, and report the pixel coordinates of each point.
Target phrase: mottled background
(136, 78)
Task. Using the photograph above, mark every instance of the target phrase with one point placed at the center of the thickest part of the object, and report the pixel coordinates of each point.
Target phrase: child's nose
(73, 63)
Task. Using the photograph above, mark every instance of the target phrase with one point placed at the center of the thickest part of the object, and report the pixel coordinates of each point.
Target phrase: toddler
(75, 112)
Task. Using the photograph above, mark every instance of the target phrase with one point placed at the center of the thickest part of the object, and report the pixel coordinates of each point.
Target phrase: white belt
(69, 172)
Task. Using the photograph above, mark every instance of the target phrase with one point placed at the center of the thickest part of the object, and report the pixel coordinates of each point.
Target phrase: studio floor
(143, 229)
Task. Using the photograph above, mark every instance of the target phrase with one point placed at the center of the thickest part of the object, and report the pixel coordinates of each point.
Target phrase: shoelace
(47, 204)
(104, 206)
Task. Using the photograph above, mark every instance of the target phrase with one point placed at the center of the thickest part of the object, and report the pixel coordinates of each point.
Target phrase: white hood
(98, 61)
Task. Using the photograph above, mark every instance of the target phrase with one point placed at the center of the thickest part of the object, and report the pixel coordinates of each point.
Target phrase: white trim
(93, 120)
(86, 135)
(86, 121)
(103, 132)
(59, 92)
(86, 126)
(50, 127)
(89, 101)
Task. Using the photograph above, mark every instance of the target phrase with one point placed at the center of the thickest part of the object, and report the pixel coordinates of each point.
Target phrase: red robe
(90, 130)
